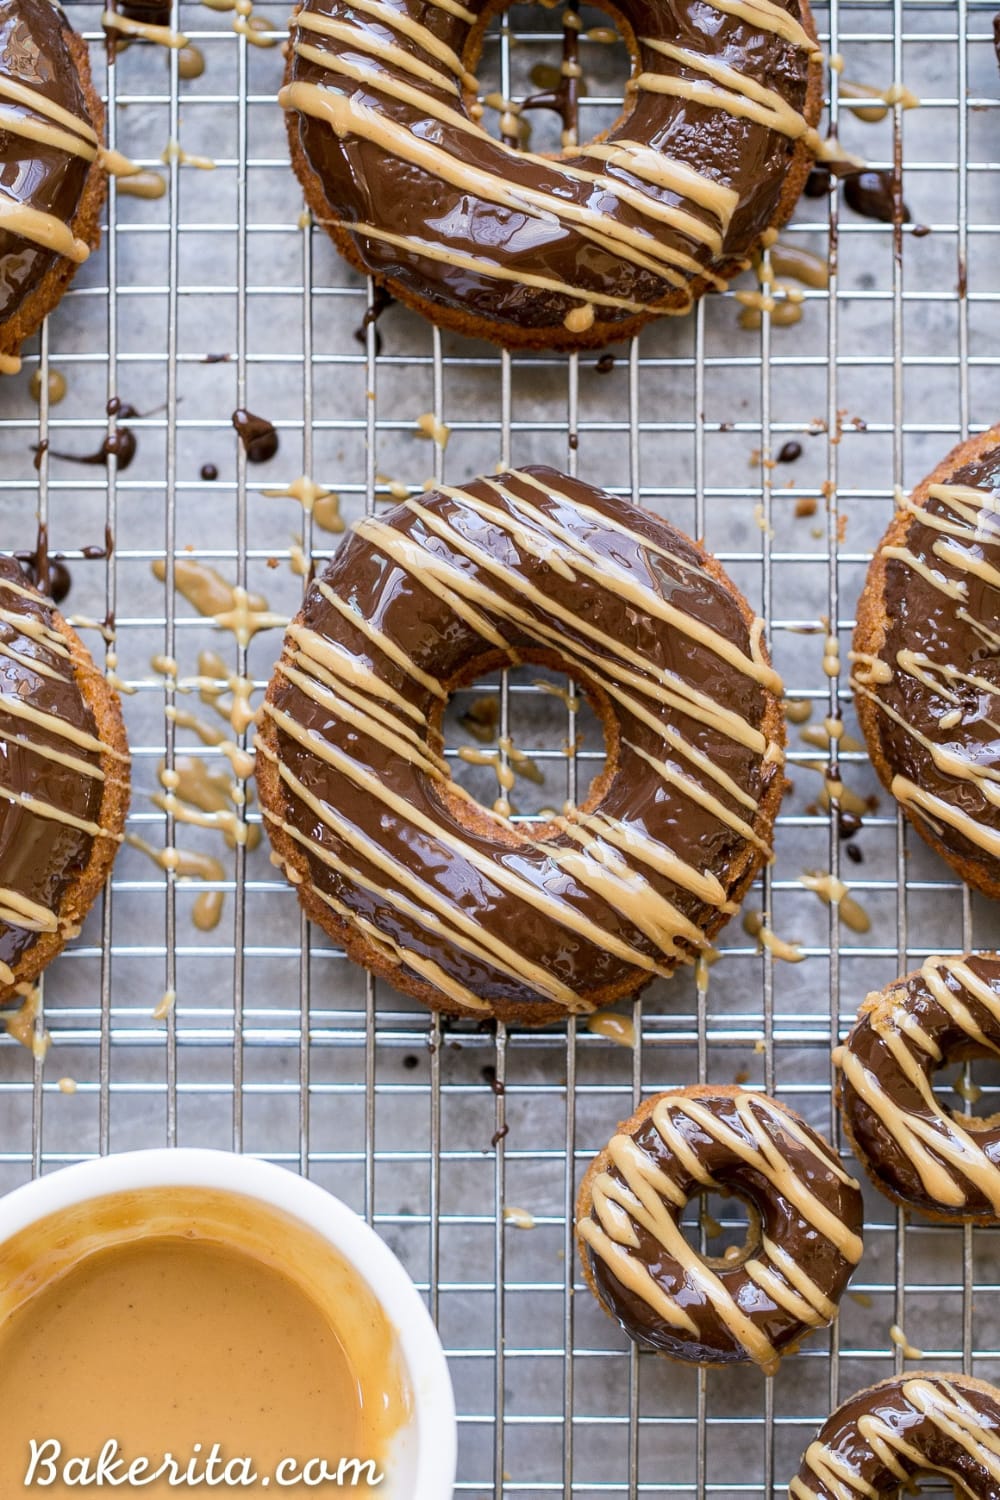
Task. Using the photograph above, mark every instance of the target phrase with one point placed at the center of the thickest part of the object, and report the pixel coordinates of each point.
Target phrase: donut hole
(554, 737)
(526, 97)
(723, 1228)
(967, 1088)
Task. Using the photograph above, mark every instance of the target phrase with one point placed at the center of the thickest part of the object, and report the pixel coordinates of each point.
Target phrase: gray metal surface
(276, 1044)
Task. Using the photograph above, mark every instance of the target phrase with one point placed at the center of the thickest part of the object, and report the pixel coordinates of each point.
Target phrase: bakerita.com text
(109, 1469)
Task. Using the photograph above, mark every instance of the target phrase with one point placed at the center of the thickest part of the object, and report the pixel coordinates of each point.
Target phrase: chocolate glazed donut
(51, 179)
(883, 1438)
(805, 1227)
(459, 907)
(64, 780)
(561, 252)
(919, 1155)
(927, 660)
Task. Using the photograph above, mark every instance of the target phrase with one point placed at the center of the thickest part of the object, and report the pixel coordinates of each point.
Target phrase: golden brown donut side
(870, 636)
(86, 224)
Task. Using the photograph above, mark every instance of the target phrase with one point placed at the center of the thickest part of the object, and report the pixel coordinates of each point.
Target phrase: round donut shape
(567, 251)
(805, 1227)
(64, 780)
(943, 1165)
(911, 1426)
(463, 909)
(53, 179)
(926, 656)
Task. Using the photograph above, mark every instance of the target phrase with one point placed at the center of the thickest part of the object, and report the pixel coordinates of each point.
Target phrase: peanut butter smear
(171, 1318)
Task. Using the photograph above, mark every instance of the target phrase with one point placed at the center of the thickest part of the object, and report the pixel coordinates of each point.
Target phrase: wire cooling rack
(276, 1045)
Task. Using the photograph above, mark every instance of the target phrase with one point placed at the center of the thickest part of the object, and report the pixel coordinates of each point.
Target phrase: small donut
(456, 905)
(564, 251)
(64, 780)
(927, 660)
(945, 1166)
(882, 1439)
(53, 182)
(804, 1240)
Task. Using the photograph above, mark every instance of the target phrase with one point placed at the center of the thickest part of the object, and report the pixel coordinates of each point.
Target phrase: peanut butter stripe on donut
(623, 226)
(882, 1439)
(926, 665)
(53, 766)
(393, 843)
(804, 1240)
(913, 1148)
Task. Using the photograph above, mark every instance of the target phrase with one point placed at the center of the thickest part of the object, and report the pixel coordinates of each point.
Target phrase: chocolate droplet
(257, 434)
(790, 452)
(209, 471)
(871, 195)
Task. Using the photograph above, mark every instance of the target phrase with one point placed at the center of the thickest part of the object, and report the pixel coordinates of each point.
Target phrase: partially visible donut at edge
(461, 908)
(64, 780)
(926, 660)
(50, 152)
(564, 251)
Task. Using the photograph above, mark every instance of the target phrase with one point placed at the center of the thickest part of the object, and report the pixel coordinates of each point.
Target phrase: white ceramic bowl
(422, 1459)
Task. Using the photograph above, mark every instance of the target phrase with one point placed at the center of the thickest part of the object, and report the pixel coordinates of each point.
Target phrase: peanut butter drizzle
(206, 913)
(613, 1027)
(229, 605)
(144, 185)
(835, 893)
(322, 505)
(647, 1193)
(946, 1154)
(22, 1024)
(181, 862)
(908, 1350)
(129, 26)
(164, 1006)
(882, 1439)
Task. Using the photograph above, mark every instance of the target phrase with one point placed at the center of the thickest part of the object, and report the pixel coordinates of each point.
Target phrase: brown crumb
(806, 506)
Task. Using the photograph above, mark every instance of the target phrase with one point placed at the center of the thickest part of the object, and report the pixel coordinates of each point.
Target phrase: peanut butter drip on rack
(878, 1442)
(936, 676)
(753, 1305)
(49, 145)
(528, 565)
(53, 769)
(615, 228)
(938, 1162)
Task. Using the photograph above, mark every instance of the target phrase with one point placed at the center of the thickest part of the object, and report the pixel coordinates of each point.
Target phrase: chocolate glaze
(892, 1114)
(365, 183)
(415, 612)
(921, 618)
(934, 1415)
(40, 857)
(34, 51)
(774, 1217)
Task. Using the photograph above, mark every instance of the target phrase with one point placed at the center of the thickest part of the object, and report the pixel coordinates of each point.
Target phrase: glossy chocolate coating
(773, 1217)
(897, 1020)
(411, 609)
(920, 618)
(364, 183)
(34, 51)
(40, 857)
(918, 1410)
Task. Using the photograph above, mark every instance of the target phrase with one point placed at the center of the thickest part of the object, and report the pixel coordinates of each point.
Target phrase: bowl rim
(368, 1255)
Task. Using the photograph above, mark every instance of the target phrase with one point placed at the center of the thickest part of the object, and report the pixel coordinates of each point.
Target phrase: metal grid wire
(278, 1046)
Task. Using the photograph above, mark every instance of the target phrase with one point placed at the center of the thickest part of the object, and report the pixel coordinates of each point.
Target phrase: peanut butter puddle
(166, 1320)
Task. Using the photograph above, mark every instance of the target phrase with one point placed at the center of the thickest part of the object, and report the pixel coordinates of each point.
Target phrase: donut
(53, 182)
(926, 672)
(64, 780)
(567, 251)
(461, 908)
(943, 1165)
(804, 1240)
(880, 1440)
